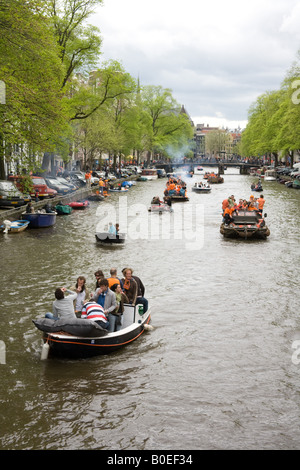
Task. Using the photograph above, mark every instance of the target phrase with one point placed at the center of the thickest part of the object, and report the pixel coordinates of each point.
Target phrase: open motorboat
(246, 224)
(270, 175)
(107, 238)
(201, 188)
(81, 338)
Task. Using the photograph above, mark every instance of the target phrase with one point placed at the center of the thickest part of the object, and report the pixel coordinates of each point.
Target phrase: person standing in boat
(130, 287)
(261, 202)
(98, 275)
(115, 318)
(63, 307)
(105, 297)
(113, 279)
(112, 229)
(82, 293)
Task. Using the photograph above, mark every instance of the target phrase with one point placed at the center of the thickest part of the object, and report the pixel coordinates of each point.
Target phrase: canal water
(220, 369)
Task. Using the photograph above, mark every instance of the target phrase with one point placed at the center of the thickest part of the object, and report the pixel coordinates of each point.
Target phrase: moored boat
(296, 184)
(40, 219)
(79, 205)
(245, 225)
(63, 209)
(96, 197)
(15, 226)
(83, 338)
(149, 174)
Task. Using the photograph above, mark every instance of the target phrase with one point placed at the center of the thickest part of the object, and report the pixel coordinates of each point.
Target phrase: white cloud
(216, 56)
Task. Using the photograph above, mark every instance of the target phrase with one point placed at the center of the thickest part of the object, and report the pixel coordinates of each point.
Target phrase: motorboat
(81, 338)
(160, 208)
(270, 175)
(149, 174)
(107, 238)
(201, 188)
(246, 224)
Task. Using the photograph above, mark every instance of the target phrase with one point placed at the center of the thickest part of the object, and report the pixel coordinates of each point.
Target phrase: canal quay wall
(80, 194)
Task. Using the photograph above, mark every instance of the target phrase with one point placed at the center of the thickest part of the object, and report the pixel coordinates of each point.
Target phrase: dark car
(53, 183)
(10, 196)
(73, 187)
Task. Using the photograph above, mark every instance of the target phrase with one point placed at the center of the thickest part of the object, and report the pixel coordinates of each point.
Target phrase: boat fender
(45, 351)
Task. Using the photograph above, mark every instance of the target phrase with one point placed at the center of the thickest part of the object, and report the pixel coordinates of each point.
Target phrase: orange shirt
(261, 202)
(112, 281)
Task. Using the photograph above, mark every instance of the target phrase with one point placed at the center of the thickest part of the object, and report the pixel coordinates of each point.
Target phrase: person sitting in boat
(30, 208)
(105, 297)
(227, 215)
(252, 201)
(156, 200)
(48, 208)
(168, 201)
(63, 307)
(92, 311)
(82, 293)
(116, 317)
(252, 206)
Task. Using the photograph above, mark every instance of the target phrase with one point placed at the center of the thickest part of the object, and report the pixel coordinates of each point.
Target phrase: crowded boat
(114, 313)
(176, 189)
(244, 219)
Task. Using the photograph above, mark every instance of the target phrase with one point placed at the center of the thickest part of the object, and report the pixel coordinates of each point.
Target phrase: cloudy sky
(216, 56)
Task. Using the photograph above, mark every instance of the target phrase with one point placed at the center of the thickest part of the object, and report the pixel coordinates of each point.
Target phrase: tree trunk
(2, 156)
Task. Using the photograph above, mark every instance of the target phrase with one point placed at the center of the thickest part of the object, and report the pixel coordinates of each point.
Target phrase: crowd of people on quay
(230, 207)
(105, 304)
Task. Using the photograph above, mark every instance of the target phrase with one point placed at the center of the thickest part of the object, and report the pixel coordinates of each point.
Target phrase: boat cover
(75, 327)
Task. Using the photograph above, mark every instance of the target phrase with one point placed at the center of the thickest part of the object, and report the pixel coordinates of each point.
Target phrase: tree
(31, 70)
(166, 125)
(79, 45)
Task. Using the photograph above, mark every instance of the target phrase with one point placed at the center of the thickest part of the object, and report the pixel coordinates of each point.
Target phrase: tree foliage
(273, 119)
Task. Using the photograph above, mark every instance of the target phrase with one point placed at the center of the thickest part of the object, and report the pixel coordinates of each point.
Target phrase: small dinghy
(63, 209)
(14, 227)
(79, 205)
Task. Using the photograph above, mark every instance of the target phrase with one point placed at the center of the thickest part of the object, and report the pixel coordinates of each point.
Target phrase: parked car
(10, 196)
(72, 186)
(61, 188)
(39, 187)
